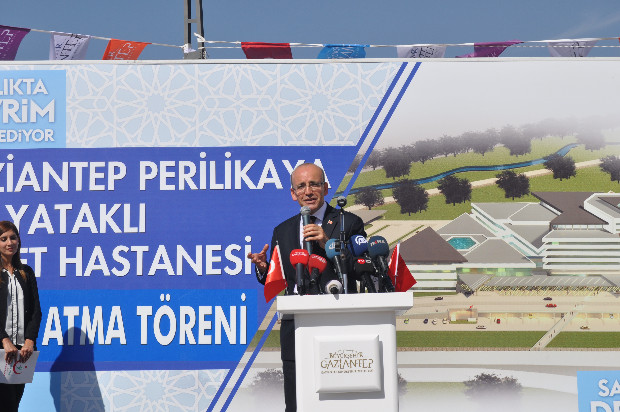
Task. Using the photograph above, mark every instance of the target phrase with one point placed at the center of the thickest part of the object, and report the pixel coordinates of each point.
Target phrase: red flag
(275, 282)
(255, 50)
(123, 50)
(399, 270)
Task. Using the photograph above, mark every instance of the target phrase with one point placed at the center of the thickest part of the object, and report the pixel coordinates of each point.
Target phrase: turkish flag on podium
(399, 272)
(275, 282)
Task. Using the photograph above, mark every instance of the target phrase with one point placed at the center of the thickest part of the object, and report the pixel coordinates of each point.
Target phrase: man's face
(308, 187)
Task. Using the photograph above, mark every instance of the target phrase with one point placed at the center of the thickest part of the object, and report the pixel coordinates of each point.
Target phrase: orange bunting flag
(257, 50)
(399, 272)
(123, 50)
(275, 282)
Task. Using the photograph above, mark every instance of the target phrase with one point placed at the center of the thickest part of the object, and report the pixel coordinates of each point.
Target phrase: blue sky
(319, 21)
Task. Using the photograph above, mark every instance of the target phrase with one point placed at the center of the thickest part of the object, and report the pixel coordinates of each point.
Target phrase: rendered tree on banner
(395, 163)
(454, 189)
(449, 145)
(424, 150)
(515, 141)
(356, 162)
(369, 197)
(410, 196)
(489, 384)
(562, 167)
(611, 165)
(481, 142)
(512, 184)
(592, 140)
(374, 159)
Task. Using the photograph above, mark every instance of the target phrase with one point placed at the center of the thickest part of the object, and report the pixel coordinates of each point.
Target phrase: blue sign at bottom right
(598, 391)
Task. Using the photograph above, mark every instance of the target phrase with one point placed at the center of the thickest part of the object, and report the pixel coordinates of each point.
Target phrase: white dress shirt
(15, 309)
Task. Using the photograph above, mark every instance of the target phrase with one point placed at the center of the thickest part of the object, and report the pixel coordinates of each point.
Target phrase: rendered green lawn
(467, 339)
(589, 179)
(499, 155)
(586, 339)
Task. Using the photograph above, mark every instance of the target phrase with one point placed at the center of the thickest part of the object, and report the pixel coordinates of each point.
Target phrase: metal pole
(200, 52)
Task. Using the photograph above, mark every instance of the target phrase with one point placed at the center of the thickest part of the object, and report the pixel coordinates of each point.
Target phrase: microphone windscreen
(359, 245)
(378, 246)
(363, 266)
(305, 211)
(299, 256)
(330, 249)
(334, 287)
(317, 262)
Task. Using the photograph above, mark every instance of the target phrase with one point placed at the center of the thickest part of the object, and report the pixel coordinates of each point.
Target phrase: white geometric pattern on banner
(159, 390)
(220, 104)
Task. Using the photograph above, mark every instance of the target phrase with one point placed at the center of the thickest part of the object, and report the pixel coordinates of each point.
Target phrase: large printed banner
(142, 251)
(139, 190)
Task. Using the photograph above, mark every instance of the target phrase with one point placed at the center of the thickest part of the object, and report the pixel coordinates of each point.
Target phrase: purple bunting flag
(10, 39)
(492, 49)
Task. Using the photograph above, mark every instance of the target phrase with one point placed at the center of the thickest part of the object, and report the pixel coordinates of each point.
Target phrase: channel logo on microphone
(360, 240)
(376, 241)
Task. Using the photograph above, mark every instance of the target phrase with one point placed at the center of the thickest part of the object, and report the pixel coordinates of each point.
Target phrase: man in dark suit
(308, 188)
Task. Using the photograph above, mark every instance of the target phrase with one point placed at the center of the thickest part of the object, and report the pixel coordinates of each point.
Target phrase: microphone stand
(342, 202)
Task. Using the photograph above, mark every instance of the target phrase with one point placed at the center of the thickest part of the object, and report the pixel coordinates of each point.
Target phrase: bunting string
(109, 38)
(67, 46)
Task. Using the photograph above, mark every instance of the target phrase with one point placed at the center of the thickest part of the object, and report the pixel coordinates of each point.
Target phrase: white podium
(345, 350)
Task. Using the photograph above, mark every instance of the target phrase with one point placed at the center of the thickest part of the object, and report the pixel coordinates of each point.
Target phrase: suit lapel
(294, 233)
(330, 222)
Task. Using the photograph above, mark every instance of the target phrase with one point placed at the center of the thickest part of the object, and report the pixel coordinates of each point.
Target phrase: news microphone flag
(275, 282)
(399, 272)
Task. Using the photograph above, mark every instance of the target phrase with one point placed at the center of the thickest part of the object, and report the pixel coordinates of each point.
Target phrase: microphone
(364, 267)
(299, 259)
(358, 246)
(316, 266)
(333, 287)
(333, 253)
(379, 250)
(305, 220)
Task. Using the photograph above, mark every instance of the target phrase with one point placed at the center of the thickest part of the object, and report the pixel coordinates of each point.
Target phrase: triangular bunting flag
(67, 46)
(343, 51)
(399, 272)
(275, 281)
(493, 49)
(123, 50)
(420, 52)
(256, 50)
(10, 39)
(570, 48)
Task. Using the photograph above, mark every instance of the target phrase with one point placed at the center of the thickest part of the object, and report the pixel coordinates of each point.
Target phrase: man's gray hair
(306, 164)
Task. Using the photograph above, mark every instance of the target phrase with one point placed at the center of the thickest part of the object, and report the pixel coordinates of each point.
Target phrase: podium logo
(347, 361)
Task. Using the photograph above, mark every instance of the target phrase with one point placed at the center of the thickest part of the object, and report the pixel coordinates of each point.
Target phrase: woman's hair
(5, 226)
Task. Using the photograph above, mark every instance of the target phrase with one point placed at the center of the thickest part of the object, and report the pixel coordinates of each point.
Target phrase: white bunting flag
(421, 52)
(570, 48)
(67, 46)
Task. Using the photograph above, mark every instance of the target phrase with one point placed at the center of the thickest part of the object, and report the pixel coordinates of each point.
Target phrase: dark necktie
(314, 243)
